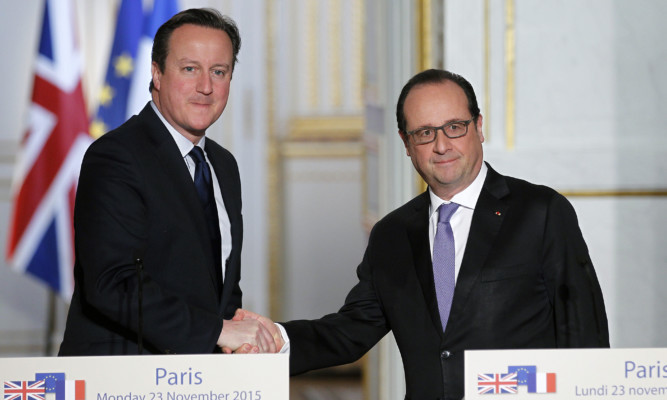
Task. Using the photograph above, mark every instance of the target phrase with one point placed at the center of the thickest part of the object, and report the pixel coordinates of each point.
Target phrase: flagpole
(50, 323)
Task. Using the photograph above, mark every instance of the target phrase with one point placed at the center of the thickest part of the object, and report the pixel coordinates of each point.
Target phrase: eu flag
(125, 89)
(113, 95)
(54, 382)
(522, 372)
(139, 94)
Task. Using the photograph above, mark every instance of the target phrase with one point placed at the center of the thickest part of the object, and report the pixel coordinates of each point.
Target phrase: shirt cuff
(283, 333)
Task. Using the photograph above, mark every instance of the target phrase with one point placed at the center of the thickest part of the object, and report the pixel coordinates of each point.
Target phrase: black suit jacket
(526, 281)
(136, 199)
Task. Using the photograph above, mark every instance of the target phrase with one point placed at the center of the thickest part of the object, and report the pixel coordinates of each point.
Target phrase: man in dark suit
(521, 273)
(158, 224)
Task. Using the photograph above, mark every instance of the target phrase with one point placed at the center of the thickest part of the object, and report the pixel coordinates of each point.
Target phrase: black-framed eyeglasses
(427, 134)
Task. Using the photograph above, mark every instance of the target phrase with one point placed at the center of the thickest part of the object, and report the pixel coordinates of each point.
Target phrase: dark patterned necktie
(204, 185)
(443, 261)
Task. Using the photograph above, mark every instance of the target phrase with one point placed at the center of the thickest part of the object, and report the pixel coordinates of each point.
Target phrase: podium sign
(164, 377)
(566, 374)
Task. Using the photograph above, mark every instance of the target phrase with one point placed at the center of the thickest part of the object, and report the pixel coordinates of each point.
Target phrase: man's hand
(244, 349)
(245, 315)
(237, 332)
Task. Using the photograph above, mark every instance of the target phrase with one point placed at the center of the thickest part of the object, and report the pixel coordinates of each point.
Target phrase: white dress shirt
(462, 217)
(185, 146)
(460, 222)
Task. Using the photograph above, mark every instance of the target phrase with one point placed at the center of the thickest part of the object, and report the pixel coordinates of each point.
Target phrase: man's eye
(218, 72)
(189, 69)
(426, 132)
(455, 128)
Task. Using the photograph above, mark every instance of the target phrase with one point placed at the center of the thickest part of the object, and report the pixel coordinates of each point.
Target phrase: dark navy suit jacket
(526, 281)
(136, 199)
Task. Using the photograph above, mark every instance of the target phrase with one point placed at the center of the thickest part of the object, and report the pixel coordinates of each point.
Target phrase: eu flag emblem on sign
(522, 372)
(53, 382)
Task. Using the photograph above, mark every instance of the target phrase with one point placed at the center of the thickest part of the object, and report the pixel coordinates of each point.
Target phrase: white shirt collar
(467, 197)
(184, 145)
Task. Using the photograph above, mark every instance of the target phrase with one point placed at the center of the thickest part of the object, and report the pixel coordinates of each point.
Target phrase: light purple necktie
(443, 261)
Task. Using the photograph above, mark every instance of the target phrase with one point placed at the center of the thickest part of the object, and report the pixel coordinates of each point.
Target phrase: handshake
(248, 332)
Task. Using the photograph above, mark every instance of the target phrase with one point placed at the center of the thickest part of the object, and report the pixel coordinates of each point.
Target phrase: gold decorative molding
(510, 60)
(312, 38)
(615, 193)
(371, 145)
(333, 128)
(274, 176)
(358, 55)
(309, 176)
(335, 52)
(487, 69)
(424, 54)
(424, 26)
(330, 136)
(322, 149)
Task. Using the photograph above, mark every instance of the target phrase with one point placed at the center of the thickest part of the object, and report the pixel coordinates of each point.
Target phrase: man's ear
(479, 124)
(155, 75)
(405, 139)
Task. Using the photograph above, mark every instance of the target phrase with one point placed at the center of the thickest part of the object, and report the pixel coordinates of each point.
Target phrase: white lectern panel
(182, 377)
(566, 374)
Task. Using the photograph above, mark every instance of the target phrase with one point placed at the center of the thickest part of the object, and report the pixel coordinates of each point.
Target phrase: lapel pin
(498, 213)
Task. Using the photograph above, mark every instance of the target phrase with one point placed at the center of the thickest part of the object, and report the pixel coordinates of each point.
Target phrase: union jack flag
(24, 390)
(40, 232)
(497, 383)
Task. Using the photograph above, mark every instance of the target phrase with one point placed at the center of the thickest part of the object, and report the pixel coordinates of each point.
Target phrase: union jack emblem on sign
(24, 390)
(497, 383)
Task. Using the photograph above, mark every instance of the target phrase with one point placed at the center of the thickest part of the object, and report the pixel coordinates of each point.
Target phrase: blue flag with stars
(113, 95)
(139, 94)
(125, 89)
(54, 382)
(522, 372)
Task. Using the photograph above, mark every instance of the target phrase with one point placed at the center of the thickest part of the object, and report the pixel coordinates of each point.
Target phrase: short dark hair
(435, 76)
(206, 17)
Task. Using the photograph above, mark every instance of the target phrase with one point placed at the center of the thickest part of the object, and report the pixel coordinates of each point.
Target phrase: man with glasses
(478, 261)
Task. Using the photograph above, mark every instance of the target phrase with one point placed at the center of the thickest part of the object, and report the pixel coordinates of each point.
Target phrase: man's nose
(204, 84)
(441, 142)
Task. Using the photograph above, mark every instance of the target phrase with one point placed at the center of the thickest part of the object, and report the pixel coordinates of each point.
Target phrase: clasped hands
(248, 332)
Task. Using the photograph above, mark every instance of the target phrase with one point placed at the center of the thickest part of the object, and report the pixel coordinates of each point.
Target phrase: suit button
(445, 354)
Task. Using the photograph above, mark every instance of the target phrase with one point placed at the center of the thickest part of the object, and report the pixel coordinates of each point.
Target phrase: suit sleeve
(111, 230)
(342, 337)
(579, 309)
(235, 301)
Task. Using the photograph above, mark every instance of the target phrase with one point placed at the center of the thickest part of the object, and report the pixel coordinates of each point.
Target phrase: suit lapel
(227, 188)
(419, 242)
(225, 180)
(490, 211)
(174, 167)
